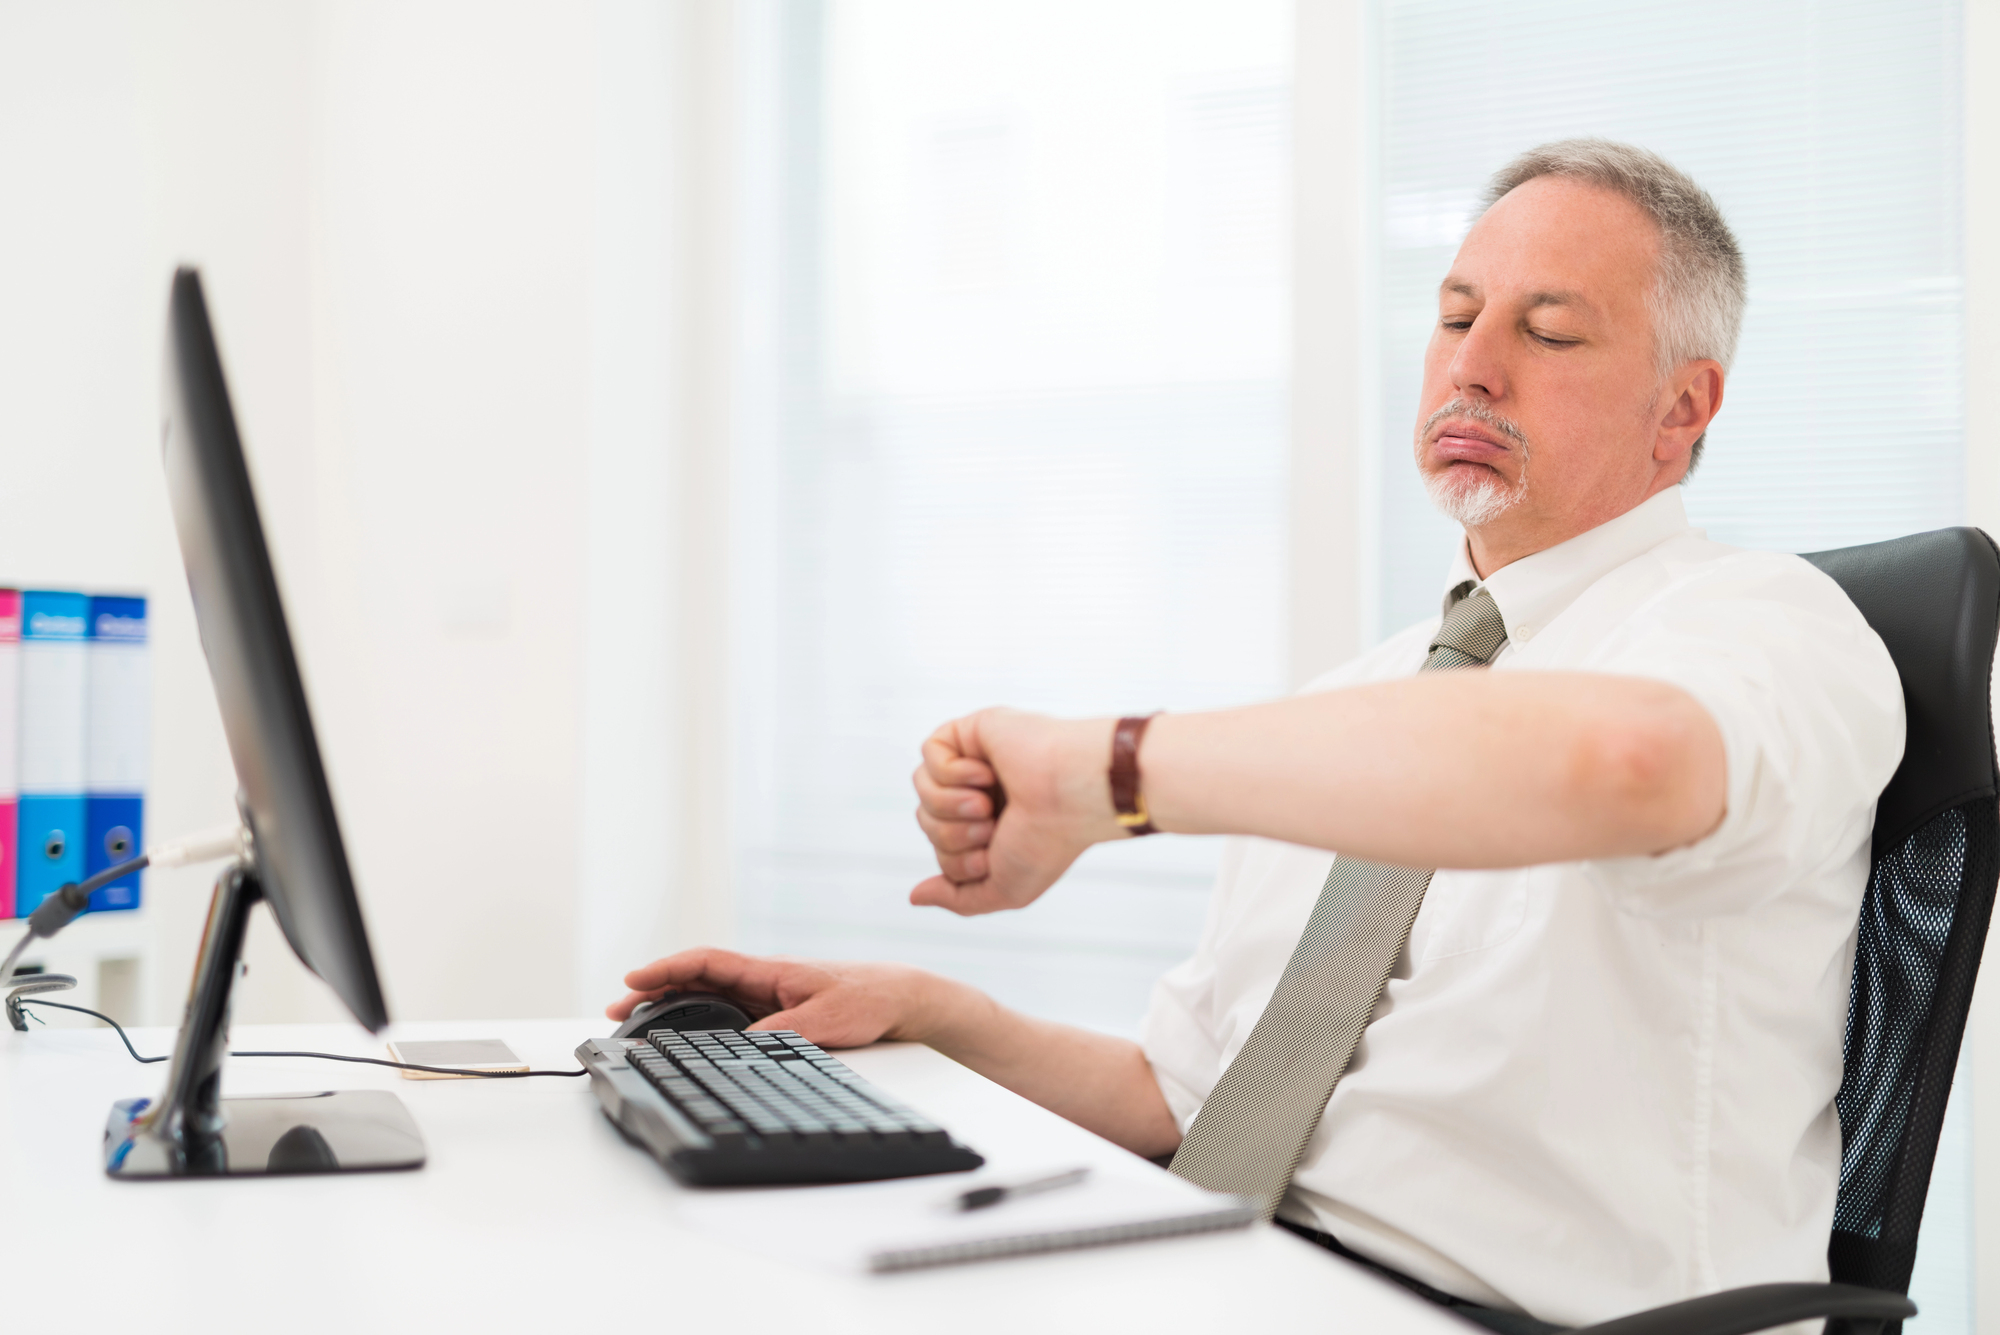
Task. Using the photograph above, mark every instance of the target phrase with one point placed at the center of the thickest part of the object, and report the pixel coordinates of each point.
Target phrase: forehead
(1552, 236)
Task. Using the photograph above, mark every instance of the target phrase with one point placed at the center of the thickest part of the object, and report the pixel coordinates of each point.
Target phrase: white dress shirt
(1594, 1087)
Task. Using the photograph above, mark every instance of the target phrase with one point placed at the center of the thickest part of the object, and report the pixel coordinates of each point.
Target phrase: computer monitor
(282, 788)
(297, 862)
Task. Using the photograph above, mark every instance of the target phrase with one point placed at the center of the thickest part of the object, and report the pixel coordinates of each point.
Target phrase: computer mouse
(685, 1010)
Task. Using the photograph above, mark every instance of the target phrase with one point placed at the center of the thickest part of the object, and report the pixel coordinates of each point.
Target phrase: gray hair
(1697, 298)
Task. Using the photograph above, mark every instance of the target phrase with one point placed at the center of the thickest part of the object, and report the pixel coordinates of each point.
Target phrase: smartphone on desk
(460, 1054)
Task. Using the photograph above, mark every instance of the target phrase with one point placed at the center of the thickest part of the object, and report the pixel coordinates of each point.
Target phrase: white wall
(399, 209)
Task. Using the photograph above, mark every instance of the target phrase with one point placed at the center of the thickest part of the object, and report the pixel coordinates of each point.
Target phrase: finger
(951, 803)
(964, 868)
(622, 1010)
(968, 901)
(743, 976)
(951, 757)
(954, 836)
(673, 970)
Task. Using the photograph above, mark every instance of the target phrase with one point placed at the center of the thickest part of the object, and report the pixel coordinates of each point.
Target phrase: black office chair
(1934, 598)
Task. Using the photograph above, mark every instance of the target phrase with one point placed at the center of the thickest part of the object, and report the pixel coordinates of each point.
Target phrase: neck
(1520, 532)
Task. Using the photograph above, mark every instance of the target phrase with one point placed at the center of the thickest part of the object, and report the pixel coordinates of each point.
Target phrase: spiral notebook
(912, 1223)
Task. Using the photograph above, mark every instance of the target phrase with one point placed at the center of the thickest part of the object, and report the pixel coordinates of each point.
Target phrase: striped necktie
(1251, 1133)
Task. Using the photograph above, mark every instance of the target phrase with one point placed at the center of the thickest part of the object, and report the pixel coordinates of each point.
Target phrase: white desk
(534, 1215)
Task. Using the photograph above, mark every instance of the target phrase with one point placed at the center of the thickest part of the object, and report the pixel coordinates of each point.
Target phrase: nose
(1477, 369)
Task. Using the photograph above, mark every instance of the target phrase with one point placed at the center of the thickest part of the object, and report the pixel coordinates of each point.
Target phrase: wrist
(1128, 798)
(1088, 765)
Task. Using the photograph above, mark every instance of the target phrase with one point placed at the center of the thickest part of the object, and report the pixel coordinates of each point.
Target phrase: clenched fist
(1009, 800)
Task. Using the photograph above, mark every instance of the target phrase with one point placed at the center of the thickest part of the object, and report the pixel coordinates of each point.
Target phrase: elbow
(1652, 777)
(1155, 1142)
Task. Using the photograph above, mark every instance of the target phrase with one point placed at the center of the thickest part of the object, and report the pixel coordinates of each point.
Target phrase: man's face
(1544, 351)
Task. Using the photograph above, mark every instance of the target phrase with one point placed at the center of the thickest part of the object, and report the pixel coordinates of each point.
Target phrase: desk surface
(534, 1214)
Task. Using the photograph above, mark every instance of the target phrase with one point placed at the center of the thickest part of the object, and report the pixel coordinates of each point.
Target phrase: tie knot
(1472, 632)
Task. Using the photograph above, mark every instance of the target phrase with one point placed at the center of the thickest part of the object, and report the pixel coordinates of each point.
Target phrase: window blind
(1033, 451)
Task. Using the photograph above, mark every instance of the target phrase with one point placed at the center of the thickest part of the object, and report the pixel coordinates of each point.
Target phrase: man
(1599, 1074)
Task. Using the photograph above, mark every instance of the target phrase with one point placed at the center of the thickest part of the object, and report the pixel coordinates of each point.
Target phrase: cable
(65, 1006)
(110, 874)
(322, 1056)
(61, 908)
(225, 841)
(406, 1066)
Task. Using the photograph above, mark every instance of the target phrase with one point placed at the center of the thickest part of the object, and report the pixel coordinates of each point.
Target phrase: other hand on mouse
(834, 1004)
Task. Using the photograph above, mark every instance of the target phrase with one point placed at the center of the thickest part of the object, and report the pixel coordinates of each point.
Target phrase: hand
(833, 1005)
(1057, 803)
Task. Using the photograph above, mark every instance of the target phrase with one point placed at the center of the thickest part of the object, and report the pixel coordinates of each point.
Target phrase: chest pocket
(1466, 911)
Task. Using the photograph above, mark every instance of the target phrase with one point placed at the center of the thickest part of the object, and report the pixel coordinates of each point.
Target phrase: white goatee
(1474, 497)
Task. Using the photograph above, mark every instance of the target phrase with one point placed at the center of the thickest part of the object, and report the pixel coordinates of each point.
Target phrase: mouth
(1460, 460)
(1467, 442)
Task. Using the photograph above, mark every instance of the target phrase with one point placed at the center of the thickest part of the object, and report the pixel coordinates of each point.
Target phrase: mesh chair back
(1934, 598)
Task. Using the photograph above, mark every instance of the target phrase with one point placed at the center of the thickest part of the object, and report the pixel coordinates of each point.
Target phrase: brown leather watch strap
(1126, 798)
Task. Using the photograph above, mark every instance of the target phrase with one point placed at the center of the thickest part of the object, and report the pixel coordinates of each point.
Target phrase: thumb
(967, 900)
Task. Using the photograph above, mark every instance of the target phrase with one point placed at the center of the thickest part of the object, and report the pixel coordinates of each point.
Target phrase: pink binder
(10, 750)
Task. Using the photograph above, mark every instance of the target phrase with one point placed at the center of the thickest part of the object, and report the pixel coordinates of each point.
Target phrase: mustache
(1473, 411)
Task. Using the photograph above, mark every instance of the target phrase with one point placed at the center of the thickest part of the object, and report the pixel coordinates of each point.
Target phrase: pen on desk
(980, 1197)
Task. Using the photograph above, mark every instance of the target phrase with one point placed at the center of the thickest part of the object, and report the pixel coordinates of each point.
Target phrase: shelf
(109, 955)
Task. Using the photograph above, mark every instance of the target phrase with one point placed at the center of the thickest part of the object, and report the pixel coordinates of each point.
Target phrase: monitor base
(331, 1131)
(191, 1131)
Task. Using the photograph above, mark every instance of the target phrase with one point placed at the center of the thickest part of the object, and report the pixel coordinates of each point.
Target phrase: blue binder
(52, 723)
(116, 752)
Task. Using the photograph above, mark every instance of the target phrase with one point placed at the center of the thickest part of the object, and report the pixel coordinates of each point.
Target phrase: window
(1829, 134)
(1026, 338)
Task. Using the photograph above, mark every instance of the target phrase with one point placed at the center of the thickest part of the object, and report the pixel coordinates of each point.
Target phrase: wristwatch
(1126, 798)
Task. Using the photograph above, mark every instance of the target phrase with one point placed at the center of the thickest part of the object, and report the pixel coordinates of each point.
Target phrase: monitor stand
(191, 1131)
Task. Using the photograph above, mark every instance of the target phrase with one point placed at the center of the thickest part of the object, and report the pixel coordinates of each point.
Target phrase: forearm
(1472, 769)
(1101, 1083)
(1446, 769)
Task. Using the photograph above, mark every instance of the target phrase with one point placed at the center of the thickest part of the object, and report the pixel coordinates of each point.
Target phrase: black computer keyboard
(722, 1108)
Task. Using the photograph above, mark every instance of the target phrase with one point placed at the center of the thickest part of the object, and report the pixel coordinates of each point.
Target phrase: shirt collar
(1535, 589)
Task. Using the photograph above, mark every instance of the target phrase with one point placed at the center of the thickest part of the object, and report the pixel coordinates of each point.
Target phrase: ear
(1690, 403)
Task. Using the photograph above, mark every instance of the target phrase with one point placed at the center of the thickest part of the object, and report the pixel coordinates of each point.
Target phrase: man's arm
(1446, 769)
(1101, 1083)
